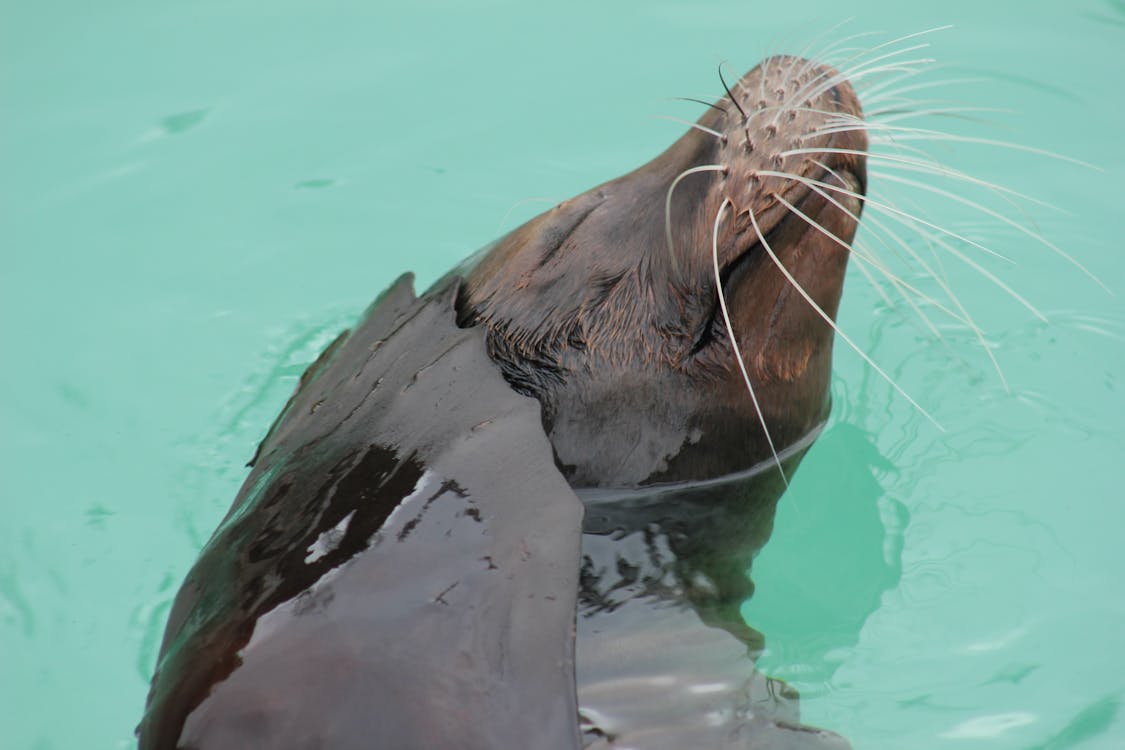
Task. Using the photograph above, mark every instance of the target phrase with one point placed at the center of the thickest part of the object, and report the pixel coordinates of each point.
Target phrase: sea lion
(404, 563)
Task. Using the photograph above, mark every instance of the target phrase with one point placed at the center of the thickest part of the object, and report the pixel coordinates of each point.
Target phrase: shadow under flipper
(664, 659)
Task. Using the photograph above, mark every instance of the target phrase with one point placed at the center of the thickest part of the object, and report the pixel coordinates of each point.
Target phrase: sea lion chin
(607, 309)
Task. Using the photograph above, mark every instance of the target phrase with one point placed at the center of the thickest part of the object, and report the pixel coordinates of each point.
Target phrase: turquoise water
(196, 197)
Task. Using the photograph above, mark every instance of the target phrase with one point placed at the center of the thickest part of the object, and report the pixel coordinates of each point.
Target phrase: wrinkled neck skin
(620, 336)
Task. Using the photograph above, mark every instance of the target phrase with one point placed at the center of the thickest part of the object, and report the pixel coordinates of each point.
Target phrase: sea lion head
(616, 308)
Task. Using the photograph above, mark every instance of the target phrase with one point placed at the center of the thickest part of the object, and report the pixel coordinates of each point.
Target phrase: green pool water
(197, 196)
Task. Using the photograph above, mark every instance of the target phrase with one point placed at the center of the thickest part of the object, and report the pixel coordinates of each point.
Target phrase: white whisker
(886, 208)
(920, 134)
(698, 100)
(721, 136)
(928, 168)
(668, 208)
(944, 284)
(876, 93)
(839, 65)
(861, 266)
(865, 67)
(978, 268)
(828, 319)
(913, 221)
(898, 285)
(734, 339)
(898, 114)
(842, 74)
(1002, 218)
(809, 59)
(869, 259)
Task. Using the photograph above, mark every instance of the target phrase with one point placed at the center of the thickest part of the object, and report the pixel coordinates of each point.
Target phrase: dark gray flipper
(399, 569)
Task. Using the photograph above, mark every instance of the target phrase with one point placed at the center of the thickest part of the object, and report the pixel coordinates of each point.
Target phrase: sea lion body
(402, 567)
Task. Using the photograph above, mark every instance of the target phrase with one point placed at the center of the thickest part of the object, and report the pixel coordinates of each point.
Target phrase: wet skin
(404, 564)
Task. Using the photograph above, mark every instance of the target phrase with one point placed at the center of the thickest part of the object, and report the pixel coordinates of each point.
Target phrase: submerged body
(405, 564)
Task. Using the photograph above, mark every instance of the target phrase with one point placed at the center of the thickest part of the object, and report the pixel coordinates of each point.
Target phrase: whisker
(876, 48)
(861, 70)
(762, 78)
(885, 127)
(1002, 218)
(912, 221)
(804, 53)
(898, 114)
(869, 259)
(884, 207)
(734, 339)
(907, 67)
(904, 66)
(705, 103)
(876, 139)
(679, 120)
(944, 284)
(902, 288)
(861, 266)
(921, 134)
(928, 168)
(828, 319)
(837, 47)
(869, 64)
(834, 48)
(899, 283)
(733, 98)
(896, 283)
(668, 208)
(1002, 193)
(875, 92)
(809, 57)
(979, 269)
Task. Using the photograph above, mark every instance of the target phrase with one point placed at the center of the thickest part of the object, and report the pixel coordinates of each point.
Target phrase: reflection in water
(183, 121)
(221, 456)
(664, 657)
(990, 726)
(1093, 721)
(842, 549)
(1114, 14)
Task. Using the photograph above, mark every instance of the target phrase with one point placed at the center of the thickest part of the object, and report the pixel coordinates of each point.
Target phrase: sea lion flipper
(398, 570)
(378, 320)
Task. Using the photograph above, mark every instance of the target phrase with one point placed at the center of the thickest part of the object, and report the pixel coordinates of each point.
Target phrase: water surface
(198, 196)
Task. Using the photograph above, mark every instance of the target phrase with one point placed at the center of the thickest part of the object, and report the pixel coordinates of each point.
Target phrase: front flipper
(399, 569)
